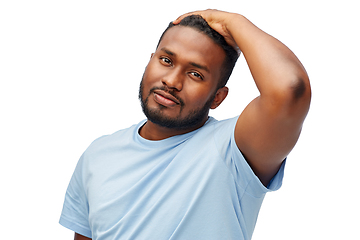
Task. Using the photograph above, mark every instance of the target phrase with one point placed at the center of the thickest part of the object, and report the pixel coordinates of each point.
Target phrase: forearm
(274, 67)
(277, 72)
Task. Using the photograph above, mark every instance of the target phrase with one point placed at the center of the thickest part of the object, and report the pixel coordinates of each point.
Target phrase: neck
(154, 132)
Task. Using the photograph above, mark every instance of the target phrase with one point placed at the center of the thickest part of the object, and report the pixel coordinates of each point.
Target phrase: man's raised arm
(270, 125)
(80, 237)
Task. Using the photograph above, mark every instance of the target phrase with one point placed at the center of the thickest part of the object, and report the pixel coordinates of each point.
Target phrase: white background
(70, 72)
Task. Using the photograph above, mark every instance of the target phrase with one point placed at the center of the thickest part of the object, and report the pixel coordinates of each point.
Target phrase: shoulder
(222, 129)
(115, 138)
(219, 132)
(214, 124)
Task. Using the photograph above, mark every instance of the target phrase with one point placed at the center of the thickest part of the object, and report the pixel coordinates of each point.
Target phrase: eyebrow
(168, 51)
(191, 63)
(200, 66)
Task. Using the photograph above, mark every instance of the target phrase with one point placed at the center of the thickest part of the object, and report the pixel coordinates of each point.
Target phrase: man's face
(180, 81)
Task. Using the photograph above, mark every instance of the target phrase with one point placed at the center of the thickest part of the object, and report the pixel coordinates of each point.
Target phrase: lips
(165, 99)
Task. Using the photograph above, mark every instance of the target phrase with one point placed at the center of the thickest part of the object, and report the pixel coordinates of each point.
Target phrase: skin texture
(269, 127)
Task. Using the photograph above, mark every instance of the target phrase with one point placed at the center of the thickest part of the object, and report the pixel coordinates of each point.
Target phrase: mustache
(167, 90)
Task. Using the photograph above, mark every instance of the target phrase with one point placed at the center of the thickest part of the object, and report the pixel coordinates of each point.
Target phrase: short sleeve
(75, 212)
(238, 166)
(276, 181)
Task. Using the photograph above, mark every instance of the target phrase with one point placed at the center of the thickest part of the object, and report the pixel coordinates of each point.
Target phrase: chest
(134, 188)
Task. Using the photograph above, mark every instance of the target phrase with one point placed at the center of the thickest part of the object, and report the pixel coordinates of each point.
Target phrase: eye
(165, 60)
(197, 75)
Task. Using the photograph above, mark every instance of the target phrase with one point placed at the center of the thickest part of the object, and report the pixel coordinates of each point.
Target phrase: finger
(178, 20)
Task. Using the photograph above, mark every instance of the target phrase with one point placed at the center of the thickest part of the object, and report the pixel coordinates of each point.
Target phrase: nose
(173, 79)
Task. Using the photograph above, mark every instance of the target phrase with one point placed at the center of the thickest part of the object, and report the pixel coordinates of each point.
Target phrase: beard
(193, 119)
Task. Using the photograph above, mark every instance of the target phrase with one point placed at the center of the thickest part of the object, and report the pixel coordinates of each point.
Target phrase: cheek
(153, 75)
(198, 95)
(149, 78)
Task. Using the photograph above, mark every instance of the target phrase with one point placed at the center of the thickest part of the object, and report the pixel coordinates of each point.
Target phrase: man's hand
(217, 20)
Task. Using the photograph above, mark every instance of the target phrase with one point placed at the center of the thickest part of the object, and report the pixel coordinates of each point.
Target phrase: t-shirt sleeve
(75, 212)
(238, 166)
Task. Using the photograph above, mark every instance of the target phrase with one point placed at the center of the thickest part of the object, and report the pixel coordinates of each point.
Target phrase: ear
(221, 94)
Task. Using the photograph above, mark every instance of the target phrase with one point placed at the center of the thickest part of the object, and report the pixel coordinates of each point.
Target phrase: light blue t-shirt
(190, 187)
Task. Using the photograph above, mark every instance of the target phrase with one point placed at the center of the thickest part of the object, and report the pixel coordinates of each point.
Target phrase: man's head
(231, 55)
(186, 75)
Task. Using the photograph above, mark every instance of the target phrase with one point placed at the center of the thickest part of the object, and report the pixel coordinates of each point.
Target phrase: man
(181, 174)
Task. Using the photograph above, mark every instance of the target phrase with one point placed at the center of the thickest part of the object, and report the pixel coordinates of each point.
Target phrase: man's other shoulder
(115, 138)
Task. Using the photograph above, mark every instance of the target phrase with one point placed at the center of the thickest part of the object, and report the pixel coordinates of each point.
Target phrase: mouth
(165, 99)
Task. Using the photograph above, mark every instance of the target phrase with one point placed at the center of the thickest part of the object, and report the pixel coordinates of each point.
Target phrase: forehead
(190, 44)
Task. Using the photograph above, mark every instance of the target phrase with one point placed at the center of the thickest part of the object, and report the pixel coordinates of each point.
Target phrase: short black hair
(199, 24)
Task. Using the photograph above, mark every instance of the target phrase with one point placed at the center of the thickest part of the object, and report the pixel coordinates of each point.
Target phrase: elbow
(295, 96)
(299, 96)
(300, 88)
(293, 90)
(291, 96)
